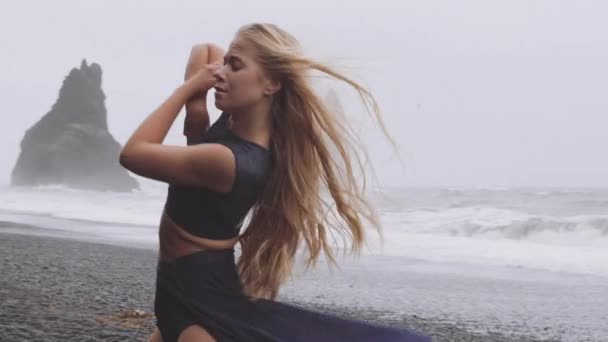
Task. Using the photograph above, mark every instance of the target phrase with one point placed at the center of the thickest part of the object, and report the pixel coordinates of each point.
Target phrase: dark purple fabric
(203, 288)
(220, 215)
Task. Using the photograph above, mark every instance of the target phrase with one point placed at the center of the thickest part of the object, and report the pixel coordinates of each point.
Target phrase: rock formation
(71, 144)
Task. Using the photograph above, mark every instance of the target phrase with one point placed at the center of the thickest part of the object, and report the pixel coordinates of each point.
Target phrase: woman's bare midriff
(175, 241)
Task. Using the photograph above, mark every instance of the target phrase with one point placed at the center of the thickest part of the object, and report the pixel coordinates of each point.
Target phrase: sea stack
(71, 145)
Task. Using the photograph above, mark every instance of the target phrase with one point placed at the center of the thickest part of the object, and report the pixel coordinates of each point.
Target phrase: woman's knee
(156, 336)
(195, 333)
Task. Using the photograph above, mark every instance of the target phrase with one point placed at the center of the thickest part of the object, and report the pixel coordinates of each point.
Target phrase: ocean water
(530, 261)
(547, 229)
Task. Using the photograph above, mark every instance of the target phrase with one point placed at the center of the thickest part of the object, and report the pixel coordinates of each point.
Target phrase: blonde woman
(268, 154)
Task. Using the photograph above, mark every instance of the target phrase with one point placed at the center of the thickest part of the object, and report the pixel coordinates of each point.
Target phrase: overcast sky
(477, 93)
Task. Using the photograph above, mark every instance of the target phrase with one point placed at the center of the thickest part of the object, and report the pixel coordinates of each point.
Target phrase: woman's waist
(176, 242)
(200, 274)
(206, 259)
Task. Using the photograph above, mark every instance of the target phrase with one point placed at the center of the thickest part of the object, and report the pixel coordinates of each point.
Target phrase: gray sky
(477, 93)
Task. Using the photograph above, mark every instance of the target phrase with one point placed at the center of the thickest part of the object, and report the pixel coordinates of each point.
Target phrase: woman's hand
(202, 80)
(204, 56)
(197, 118)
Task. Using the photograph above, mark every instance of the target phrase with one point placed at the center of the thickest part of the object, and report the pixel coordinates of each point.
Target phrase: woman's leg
(156, 337)
(195, 333)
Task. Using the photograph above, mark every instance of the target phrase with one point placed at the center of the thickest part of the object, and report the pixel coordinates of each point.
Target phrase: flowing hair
(314, 153)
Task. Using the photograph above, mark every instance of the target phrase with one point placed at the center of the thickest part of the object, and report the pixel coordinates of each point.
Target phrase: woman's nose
(218, 73)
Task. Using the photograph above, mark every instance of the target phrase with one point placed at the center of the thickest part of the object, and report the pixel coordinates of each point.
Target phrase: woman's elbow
(133, 157)
(123, 159)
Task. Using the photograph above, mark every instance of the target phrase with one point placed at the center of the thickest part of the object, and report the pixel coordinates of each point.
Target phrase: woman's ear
(271, 87)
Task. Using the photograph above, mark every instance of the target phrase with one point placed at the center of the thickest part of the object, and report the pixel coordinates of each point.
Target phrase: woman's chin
(219, 105)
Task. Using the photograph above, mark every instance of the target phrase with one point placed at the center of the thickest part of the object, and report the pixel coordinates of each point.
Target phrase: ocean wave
(500, 223)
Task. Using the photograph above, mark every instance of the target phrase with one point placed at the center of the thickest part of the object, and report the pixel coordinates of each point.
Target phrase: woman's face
(241, 77)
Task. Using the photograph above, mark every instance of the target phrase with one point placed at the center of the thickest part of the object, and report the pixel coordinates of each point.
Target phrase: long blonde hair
(291, 209)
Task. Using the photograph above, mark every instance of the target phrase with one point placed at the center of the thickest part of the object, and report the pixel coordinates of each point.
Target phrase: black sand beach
(53, 289)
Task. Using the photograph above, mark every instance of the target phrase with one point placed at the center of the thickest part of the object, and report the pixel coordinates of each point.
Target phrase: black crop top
(216, 215)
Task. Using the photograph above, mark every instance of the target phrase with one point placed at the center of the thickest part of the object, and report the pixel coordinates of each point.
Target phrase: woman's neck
(253, 123)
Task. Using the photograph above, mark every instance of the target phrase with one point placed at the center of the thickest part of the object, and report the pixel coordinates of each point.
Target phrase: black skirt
(203, 288)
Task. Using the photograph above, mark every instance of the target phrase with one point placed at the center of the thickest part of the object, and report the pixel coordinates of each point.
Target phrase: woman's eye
(234, 65)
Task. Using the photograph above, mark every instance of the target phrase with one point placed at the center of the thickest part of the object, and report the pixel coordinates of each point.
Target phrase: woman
(267, 155)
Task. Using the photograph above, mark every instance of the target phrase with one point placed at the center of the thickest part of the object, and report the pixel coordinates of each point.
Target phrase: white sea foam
(553, 230)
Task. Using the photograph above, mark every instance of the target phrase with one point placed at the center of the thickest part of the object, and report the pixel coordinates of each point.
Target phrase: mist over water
(476, 93)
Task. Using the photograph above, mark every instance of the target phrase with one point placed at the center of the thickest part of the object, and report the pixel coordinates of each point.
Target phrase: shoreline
(58, 289)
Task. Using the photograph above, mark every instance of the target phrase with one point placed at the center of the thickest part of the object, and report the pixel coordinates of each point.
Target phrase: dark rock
(71, 144)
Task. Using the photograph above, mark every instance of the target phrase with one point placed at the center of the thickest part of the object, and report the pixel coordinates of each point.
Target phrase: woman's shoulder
(217, 129)
(252, 159)
(253, 162)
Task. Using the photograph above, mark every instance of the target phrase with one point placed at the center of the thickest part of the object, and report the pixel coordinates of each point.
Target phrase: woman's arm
(197, 122)
(207, 165)
(154, 128)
